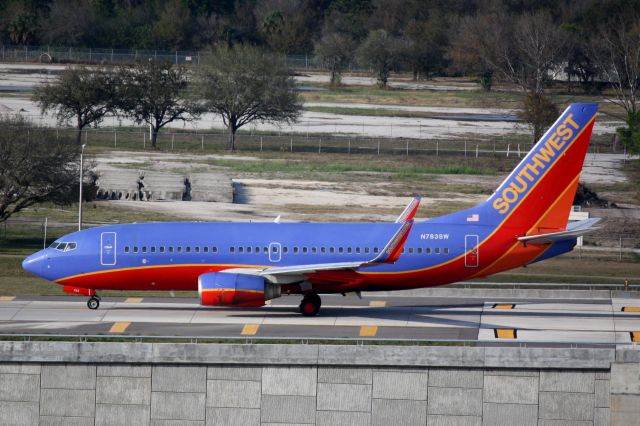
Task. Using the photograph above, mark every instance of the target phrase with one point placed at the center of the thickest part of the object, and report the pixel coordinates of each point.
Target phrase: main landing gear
(310, 305)
(94, 302)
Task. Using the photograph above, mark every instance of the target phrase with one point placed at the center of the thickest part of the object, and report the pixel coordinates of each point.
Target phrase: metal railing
(358, 341)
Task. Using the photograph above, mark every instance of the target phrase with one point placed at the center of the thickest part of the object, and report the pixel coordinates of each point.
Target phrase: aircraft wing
(389, 254)
(574, 230)
(409, 211)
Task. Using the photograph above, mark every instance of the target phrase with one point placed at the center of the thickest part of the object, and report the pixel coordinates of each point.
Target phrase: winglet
(391, 252)
(410, 211)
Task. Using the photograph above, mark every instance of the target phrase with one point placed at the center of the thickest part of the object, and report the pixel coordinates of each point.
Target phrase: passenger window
(187, 249)
(410, 250)
(305, 250)
(340, 250)
(348, 249)
(126, 249)
(135, 249)
(214, 249)
(314, 249)
(419, 250)
(170, 249)
(437, 250)
(323, 249)
(179, 249)
(265, 249)
(144, 249)
(232, 249)
(366, 249)
(427, 250)
(357, 249)
(205, 249)
(248, 249)
(402, 250)
(332, 250)
(153, 249)
(240, 249)
(375, 249)
(257, 250)
(295, 249)
(161, 249)
(446, 250)
(275, 249)
(285, 249)
(196, 249)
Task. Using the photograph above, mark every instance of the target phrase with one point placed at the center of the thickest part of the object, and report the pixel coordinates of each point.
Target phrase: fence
(53, 54)
(215, 140)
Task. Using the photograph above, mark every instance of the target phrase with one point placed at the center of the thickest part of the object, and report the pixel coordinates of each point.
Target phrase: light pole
(80, 183)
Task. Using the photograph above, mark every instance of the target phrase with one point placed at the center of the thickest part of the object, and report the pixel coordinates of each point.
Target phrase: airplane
(247, 264)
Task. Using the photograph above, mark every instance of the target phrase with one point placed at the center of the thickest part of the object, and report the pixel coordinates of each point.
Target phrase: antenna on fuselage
(277, 219)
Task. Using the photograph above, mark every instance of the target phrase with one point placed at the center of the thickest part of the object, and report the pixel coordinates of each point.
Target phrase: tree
(616, 54)
(81, 94)
(334, 51)
(155, 93)
(36, 165)
(245, 84)
(525, 50)
(381, 52)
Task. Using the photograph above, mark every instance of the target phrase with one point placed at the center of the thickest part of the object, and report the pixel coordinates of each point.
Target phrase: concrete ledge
(323, 355)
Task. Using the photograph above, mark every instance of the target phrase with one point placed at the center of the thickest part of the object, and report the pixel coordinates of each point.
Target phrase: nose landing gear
(310, 305)
(94, 302)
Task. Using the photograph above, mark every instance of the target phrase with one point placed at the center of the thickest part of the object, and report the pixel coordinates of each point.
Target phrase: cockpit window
(63, 246)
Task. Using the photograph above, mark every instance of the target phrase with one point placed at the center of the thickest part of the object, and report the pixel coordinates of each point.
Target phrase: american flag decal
(473, 217)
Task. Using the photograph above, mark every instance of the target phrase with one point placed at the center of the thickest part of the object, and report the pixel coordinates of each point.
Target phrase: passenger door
(108, 248)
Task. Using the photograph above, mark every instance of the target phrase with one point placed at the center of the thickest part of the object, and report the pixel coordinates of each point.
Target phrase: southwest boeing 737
(247, 264)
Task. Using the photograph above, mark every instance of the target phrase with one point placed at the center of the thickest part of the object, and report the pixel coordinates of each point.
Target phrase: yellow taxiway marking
(505, 333)
(119, 327)
(631, 309)
(7, 298)
(504, 306)
(635, 336)
(378, 303)
(134, 300)
(368, 330)
(250, 329)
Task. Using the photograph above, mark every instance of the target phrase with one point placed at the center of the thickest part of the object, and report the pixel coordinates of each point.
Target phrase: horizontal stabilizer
(410, 211)
(574, 230)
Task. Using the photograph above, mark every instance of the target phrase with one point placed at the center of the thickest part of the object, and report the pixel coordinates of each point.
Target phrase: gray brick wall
(132, 395)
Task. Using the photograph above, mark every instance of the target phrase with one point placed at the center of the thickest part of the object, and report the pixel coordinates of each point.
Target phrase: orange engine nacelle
(225, 289)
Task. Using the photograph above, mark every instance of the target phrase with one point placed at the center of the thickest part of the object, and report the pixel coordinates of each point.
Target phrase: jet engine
(228, 289)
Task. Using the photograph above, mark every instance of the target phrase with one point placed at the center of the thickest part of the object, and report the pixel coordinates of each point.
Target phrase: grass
(284, 166)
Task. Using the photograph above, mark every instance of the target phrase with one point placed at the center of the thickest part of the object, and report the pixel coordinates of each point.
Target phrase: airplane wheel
(93, 303)
(310, 305)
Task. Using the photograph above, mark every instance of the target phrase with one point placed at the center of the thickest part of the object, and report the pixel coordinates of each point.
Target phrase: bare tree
(155, 93)
(526, 50)
(245, 84)
(334, 51)
(36, 165)
(84, 95)
(616, 53)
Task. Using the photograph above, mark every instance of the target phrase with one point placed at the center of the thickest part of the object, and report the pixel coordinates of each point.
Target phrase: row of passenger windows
(170, 249)
(275, 249)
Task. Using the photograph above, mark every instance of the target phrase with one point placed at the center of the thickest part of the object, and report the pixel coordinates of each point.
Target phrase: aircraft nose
(34, 263)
